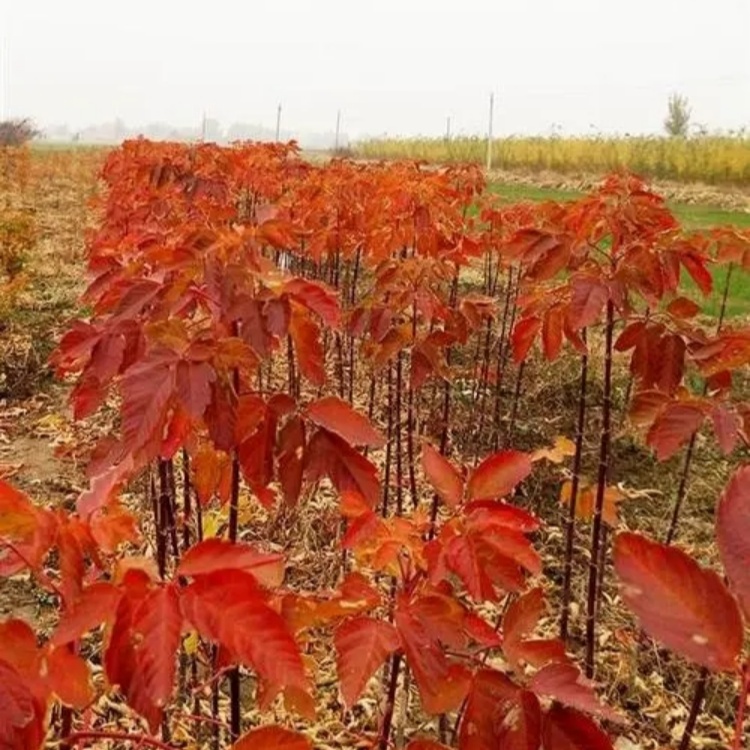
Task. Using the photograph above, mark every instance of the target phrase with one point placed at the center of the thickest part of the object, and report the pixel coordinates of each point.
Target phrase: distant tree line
(18, 131)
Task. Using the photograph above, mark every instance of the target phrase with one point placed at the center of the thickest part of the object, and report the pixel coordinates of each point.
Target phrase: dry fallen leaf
(560, 450)
(586, 500)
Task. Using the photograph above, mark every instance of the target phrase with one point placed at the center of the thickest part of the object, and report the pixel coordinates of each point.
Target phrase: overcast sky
(395, 66)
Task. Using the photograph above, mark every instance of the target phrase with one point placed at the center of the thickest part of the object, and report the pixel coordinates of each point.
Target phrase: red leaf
(491, 552)
(491, 697)
(519, 622)
(212, 555)
(272, 738)
(156, 629)
(726, 426)
(112, 525)
(22, 711)
(523, 336)
(146, 390)
(362, 646)
(102, 488)
(212, 473)
(523, 615)
(442, 475)
(672, 428)
(645, 406)
(733, 534)
(75, 346)
(565, 683)
(671, 363)
(684, 308)
(221, 416)
(18, 516)
(552, 333)
(318, 298)
(306, 337)
(228, 608)
(328, 455)
(15, 698)
(87, 396)
(291, 459)
(587, 303)
(256, 454)
(276, 314)
(193, 382)
(442, 684)
(178, 433)
(684, 606)
(696, 267)
(522, 726)
(467, 557)
(120, 661)
(490, 514)
(481, 631)
(548, 263)
(498, 475)
(69, 678)
(336, 416)
(630, 336)
(72, 562)
(355, 595)
(566, 729)
(31, 530)
(18, 646)
(96, 604)
(132, 302)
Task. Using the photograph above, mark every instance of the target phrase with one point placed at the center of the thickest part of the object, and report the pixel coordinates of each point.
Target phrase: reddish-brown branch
(570, 521)
(596, 529)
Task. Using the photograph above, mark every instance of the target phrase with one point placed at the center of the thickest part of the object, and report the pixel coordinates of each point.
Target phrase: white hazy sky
(396, 66)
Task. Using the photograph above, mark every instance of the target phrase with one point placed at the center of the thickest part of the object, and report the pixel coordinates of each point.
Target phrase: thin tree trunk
(596, 530)
(695, 707)
(389, 445)
(385, 731)
(570, 521)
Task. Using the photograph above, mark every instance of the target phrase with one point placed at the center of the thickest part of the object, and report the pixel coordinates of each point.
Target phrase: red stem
(570, 521)
(601, 486)
(385, 732)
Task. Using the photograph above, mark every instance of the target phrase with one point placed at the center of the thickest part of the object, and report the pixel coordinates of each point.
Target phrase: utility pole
(489, 132)
(338, 131)
(204, 127)
(278, 122)
(448, 128)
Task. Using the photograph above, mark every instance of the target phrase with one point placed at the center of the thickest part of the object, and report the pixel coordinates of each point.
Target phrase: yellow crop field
(710, 159)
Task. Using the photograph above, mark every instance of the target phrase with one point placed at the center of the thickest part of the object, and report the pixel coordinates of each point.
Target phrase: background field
(715, 160)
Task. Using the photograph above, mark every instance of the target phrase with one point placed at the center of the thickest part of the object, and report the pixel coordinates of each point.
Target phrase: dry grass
(719, 160)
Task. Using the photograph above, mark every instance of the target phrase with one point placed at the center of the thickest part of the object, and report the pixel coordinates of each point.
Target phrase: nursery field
(367, 455)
